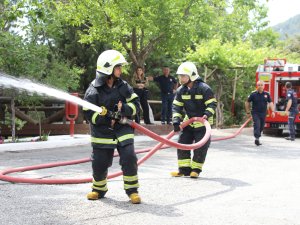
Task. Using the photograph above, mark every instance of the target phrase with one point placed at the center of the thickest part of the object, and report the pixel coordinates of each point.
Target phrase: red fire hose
(51, 165)
(235, 134)
(150, 151)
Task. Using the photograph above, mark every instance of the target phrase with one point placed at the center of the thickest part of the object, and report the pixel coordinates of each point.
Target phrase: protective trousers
(103, 158)
(258, 123)
(166, 111)
(143, 95)
(185, 164)
(291, 123)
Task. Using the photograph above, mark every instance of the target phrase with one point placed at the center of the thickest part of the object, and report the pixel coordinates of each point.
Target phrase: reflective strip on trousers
(130, 178)
(196, 165)
(100, 185)
(130, 182)
(184, 163)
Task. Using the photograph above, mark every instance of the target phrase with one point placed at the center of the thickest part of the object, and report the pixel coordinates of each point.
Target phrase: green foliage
(10, 11)
(45, 136)
(140, 26)
(8, 121)
(114, 21)
(292, 48)
(36, 62)
(264, 38)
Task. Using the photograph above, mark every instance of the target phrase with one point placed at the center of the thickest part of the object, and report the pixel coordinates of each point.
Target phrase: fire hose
(163, 143)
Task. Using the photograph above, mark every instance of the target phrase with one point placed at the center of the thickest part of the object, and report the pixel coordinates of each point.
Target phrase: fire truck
(275, 73)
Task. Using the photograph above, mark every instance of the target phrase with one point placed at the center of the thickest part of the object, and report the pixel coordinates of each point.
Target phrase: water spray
(40, 89)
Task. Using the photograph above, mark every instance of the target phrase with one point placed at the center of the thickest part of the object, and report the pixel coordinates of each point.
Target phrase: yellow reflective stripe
(100, 183)
(131, 105)
(196, 165)
(210, 101)
(198, 96)
(134, 95)
(94, 117)
(184, 162)
(176, 115)
(211, 120)
(100, 188)
(130, 178)
(178, 103)
(211, 110)
(106, 141)
(125, 137)
(116, 58)
(128, 186)
(187, 70)
(186, 97)
(85, 109)
(196, 124)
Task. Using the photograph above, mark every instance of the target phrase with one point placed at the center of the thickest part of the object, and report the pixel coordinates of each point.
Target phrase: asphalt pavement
(240, 184)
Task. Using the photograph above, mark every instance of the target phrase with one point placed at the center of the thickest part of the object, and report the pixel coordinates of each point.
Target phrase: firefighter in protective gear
(193, 98)
(117, 100)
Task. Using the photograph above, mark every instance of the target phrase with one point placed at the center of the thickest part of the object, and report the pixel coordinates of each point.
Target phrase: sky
(282, 10)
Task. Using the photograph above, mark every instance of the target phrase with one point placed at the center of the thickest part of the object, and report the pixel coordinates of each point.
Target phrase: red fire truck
(275, 73)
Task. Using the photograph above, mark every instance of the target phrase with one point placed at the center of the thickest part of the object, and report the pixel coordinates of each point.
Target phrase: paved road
(241, 184)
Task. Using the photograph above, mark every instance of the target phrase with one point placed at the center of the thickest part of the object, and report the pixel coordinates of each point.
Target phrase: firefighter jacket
(194, 102)
(103, 135)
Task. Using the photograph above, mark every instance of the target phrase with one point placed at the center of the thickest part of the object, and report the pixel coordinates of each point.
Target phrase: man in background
(260, 101)
(291, 110)
(167, 85)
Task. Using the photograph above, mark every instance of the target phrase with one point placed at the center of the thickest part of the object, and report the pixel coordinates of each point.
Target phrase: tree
(292, 48)
(140, 26)
(29, 57)
(10, 12)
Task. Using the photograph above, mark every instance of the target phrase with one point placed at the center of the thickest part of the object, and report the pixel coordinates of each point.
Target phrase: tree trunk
(220, 105)
(13, 120)
(233, 94)
(58, 116)
(205, 74)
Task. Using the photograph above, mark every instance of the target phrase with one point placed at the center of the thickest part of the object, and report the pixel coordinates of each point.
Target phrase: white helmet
(188, 68)
(107, 60)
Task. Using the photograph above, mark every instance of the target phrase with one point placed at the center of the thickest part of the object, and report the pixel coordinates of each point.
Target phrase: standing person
(116, 99)
(196, 99)
(167, 85)
(260, 101)
(140, 83)
(291, 110)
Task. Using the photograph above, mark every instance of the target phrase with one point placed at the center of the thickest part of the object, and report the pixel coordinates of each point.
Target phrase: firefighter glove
(104, 111)
(114, 115)
(176, 127)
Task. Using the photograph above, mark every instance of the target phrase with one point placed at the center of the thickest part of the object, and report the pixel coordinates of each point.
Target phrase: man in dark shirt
(291, 110)
(260, 100)
(168, 86)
